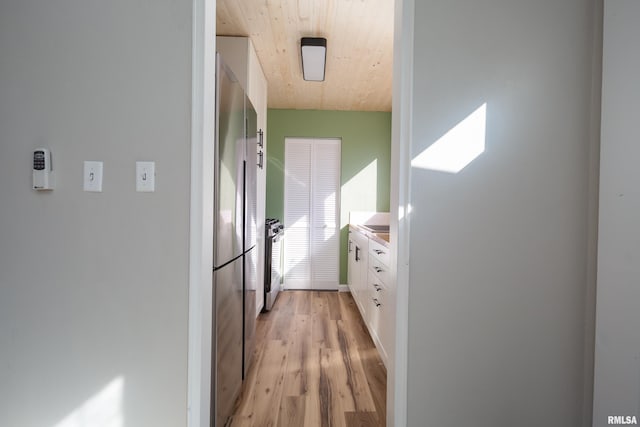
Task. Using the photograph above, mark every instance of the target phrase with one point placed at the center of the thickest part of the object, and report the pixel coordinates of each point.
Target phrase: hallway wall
(617, 368)
(498, 263)
(94, 286)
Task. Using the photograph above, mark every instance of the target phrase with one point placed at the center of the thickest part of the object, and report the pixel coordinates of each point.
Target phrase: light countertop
(382, 238)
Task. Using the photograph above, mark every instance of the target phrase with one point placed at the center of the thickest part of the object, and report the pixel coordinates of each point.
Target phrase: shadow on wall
(277, 163)
(359, 193)
(361, 190)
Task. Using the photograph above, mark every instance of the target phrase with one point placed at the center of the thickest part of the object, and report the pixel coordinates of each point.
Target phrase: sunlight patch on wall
(458, 147)
(401, 211)
(104, 409)
(360, 193)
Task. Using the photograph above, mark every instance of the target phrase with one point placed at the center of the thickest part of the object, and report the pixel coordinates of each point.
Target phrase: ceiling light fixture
(314, 55)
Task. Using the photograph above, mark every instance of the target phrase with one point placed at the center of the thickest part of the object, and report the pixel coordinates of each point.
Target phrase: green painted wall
(366, 158)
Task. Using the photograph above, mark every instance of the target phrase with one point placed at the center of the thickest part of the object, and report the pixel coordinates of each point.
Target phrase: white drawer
(380, 269)
(375, 318)
(376, 306)
(378, 313)
(376, 288)
(379, 251)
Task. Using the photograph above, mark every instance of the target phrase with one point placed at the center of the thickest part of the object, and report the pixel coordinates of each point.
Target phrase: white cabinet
(240, 56)
(357, 268)
(369, 279)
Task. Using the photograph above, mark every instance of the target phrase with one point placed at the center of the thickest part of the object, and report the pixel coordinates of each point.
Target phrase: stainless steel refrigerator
(234, 245)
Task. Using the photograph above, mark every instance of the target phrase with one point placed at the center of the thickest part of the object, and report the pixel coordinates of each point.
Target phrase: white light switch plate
(93, 176)
(145, 176)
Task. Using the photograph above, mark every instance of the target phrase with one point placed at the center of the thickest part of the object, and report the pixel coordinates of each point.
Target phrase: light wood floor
(314, 365)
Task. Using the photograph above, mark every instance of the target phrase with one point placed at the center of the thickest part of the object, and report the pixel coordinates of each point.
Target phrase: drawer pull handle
(377, 288)
(378, 251)
(376, 302)
(377, 269)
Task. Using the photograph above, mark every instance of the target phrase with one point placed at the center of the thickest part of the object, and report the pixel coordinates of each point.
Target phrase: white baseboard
(343, 288)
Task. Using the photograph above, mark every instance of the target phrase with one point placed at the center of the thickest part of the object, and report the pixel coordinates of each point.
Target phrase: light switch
(145, 176)
(93, 176)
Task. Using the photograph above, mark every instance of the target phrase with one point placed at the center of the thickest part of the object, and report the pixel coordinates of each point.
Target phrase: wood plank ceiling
(359, 37)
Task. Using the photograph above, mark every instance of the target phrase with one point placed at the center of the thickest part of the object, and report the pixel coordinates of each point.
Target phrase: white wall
(617, 368)
(94, 286)
(498, 252)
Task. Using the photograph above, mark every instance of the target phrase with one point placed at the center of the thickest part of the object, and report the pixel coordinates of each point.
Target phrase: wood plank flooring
(314, 365)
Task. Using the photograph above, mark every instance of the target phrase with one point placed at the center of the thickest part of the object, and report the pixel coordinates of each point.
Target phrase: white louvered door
(312, 212)
(325, 245)
(297, 194)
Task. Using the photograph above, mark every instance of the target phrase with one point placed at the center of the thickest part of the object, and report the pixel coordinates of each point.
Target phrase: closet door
(297, 213)
(312, 212)
(325, 214)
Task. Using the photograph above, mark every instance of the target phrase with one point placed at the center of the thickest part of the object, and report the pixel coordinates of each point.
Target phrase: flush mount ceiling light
(314, 54)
